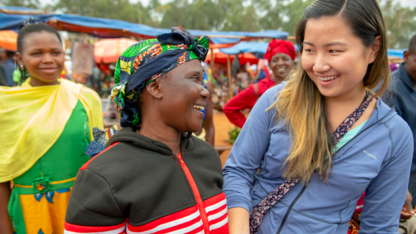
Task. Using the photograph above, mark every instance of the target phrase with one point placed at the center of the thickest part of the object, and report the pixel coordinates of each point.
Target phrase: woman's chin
(194, 127)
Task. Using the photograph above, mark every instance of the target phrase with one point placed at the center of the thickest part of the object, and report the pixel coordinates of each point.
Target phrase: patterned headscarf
(148, 60)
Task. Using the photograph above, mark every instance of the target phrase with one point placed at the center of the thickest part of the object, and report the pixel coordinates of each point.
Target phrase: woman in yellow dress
(46, 126)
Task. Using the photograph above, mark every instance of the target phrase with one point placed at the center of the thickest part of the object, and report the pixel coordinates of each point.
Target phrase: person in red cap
(281, 56)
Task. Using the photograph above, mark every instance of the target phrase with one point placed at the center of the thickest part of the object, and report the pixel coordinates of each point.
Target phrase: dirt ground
(222, 127)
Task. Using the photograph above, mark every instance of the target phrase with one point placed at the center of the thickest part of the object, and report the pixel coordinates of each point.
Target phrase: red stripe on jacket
(172, 222)
(216, 208)
(92, 229)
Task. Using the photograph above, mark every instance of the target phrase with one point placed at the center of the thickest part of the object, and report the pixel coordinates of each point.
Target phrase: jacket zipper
(195, 190)
(290, 209)
(304, 187)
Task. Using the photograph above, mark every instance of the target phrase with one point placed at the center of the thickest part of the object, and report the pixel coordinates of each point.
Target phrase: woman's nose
(205, 93)
(321, 64)
(47, 58)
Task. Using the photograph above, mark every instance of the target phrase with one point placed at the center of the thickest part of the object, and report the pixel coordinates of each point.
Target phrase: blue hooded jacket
(376, 161)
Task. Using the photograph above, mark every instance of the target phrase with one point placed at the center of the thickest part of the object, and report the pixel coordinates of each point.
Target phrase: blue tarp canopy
(256, 48)
(395, 53)
(109, 28)
(13, 22)
(238, 36)
(246, 47)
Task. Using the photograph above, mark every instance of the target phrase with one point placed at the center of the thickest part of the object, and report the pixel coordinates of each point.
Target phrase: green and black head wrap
(146, 61)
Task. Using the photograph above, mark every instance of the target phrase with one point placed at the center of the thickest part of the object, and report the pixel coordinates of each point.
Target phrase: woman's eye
(333, 51)
(308, 50)
(57, 53)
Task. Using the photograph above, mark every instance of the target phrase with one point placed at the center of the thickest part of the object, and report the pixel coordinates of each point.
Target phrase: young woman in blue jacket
(323, 136)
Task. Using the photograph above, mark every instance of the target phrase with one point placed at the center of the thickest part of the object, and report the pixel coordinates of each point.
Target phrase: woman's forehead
(327, 29)
(192, 66)
(42, 39)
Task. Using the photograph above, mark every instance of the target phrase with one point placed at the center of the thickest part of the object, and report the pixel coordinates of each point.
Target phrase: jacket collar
(128, 135)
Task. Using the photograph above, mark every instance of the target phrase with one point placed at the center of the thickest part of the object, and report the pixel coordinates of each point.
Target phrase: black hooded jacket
(139, 184)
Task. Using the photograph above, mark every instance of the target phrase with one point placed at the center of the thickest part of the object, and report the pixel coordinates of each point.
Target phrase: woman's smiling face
(335, 59)
(184, 97)
(43, 57)
(281, 64)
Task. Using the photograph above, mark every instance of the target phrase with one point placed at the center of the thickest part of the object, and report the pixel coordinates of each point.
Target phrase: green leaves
(233, 134)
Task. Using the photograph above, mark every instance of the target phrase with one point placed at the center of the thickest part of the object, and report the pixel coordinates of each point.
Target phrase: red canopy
(108, 50)
(220, 57)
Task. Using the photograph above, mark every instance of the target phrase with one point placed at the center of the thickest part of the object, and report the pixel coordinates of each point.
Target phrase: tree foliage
(222, 15)
(400, 23)
(21, 3)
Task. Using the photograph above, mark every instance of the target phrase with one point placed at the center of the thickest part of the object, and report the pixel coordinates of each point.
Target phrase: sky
(409, 3)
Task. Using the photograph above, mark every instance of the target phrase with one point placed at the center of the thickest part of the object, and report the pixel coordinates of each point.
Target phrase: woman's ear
(19, 59)
(154, 89)
(374, 50)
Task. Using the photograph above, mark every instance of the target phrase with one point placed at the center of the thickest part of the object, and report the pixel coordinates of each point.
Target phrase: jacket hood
(128, 135)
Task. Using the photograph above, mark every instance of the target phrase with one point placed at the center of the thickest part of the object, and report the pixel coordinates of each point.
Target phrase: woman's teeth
(198, 107)
(281, 69)
(327, 78)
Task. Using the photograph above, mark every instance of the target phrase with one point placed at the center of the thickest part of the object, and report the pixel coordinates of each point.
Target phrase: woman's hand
(5, 225)
(407, 211)
(238, 221)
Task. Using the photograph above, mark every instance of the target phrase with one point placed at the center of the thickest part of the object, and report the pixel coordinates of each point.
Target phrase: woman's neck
(339, 108)
(163, 133)
(35, 82)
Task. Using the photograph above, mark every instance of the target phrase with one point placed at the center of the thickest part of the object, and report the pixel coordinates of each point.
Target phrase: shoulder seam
(391, 142)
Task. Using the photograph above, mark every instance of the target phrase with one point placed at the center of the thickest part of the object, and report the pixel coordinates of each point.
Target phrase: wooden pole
(212, 66)
(230, 79)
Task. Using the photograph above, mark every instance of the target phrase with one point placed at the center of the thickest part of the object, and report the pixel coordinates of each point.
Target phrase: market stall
(108, 50)
(8, 40)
